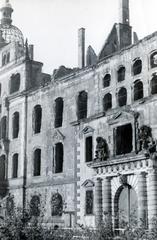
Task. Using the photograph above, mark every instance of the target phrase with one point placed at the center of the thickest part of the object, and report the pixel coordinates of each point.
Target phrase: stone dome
(10, 33)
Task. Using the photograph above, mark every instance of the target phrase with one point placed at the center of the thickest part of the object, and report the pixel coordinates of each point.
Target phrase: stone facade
(80, 159)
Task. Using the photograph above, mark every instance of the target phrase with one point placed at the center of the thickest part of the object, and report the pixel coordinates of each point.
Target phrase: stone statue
(145, 140)
(102, 152)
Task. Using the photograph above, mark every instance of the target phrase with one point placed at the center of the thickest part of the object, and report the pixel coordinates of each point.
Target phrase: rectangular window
(89, 149)
(123, 139)
(58, 158)
(89, 202)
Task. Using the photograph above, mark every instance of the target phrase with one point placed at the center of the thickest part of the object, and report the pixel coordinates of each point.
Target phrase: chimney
(124, 12)
(31, 52)
(81, 48)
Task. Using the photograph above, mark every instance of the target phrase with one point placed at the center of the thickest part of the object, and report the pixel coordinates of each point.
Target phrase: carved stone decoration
(102, 151)
(56, 205)
(145, 140)
(123, 180)
(58, 136)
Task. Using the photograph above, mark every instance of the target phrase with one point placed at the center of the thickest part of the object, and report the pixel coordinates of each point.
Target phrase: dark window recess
(107, 102)
(82, 105)
(153, 60)
(138, 90)
(58, 112)
(8, 57)
(122, 97)
(15, 125)
(2, 168)
(106, 80)
(137, 67)
(89, 149)
(4, 60)
(123, 139)
(121, 74)
(37, 162)
(15, 83)
(15, 165)
(35, 206)
(37, 118)
(56, 205)
(154, 85)
(0, 89)
(89, 202)
(3, 127)
(59, 158)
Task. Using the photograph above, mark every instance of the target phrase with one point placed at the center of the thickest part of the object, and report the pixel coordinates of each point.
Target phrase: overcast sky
(52, 25)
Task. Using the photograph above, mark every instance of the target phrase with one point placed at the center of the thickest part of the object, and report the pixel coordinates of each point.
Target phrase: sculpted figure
(101, 152)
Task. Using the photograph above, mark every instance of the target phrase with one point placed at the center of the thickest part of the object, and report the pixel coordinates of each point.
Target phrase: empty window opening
(123, 139)
(137, 67)
(37, 118)
(15, 83)
(35, 206)
(153, 60)
(107, 102)
(122, 97)
(154, 85)
(4, 127)
(15, 166)
(106, 80)
(89, 202)
(58, 112)
(138, 90)
(4, 59)
(2, 168)
(15, 125)
(0, 89)
(82, 105)
(89, 149)
(121, 74)
(37, 162)
(8, 57)
(56, 205)
(58, 165)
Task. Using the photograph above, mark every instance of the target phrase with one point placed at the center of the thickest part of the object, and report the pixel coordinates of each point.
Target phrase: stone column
(142, 199)
(152, 196)
(98, 201)
(107, 200)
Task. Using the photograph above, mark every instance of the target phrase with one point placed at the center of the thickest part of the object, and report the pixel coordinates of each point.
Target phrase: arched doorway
(126, 206)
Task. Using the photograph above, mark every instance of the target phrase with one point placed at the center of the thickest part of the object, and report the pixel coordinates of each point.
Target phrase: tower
(6, 11)
(124, 12)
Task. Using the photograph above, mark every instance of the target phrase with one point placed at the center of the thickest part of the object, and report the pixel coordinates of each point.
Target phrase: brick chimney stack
(81, 48)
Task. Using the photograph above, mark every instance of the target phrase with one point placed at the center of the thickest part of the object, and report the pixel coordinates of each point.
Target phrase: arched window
(35, 206)
(56, 205)
(15, 166)
(37, 162)
(122, 97)
(82, 105)
(8, 57)
(138, 90)
(106, 80)
(15, 83)
(2, 168)
(15, 125)
(37, 118)
(4, 127)
(58, 112)
(127, 206)
(89, 148)
(58, 158)
(137, 67)
(121, 74)
(153, 60)
(107, 102)
(154, 85)
(4, 60)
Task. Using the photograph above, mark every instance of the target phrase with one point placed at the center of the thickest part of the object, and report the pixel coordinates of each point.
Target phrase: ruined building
(80, 144)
